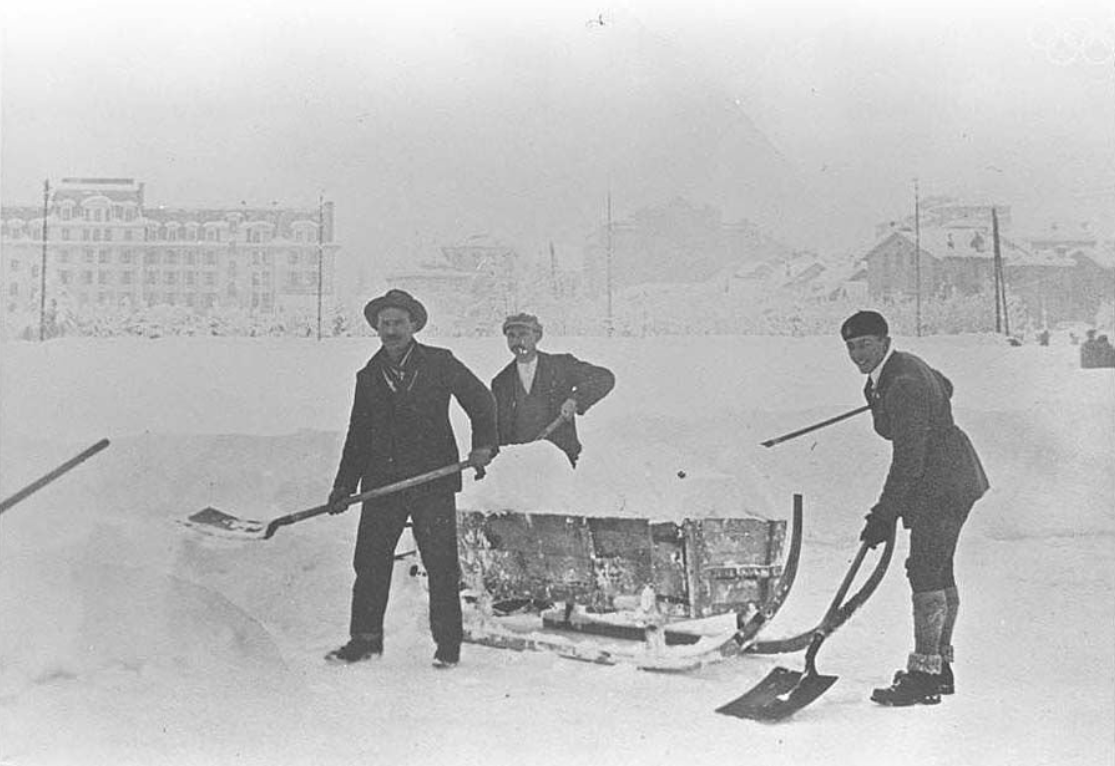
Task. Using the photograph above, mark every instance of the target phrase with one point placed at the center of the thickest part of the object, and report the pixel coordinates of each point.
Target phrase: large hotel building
(105, 247)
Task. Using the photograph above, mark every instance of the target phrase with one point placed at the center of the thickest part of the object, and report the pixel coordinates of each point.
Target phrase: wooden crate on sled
(661, 594)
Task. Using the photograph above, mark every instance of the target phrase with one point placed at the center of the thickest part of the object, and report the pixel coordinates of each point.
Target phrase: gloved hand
(877, 530)
(336, 498)
(569, 409)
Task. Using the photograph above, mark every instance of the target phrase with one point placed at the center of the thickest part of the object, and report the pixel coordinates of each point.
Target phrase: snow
(127, 638)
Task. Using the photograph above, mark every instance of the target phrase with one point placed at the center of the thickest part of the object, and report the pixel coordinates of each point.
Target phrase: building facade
(104, 247)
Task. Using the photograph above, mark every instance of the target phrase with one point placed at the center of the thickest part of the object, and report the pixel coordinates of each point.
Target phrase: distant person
(537, 388)
(1103, 353)
(1043, 337)
(1088, 350)
(400, 428)
(935, 477)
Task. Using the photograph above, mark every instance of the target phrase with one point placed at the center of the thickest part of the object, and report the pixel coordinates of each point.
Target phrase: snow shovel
(41, 482)
(784, 692)
(814, 427)
(216, 522)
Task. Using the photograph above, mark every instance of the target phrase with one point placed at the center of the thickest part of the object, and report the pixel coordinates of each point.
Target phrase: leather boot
(918, 685)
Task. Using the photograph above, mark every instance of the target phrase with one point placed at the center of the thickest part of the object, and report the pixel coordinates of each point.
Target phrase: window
(67, 212)
(102, 277)
(103, 297)
(86, 277)
(104, 256)
(191, 258)
(210, 279)
(172, 277)
(172, 258)
(85, 235)
(127, 235)
(191, 278)
(151, 258)
(64, 276)
(292, 259)
(126, 256)
(65, 233)
(96, 235)
(150, 277)
(267, 302)
(108, 235)
(14, 264)
(210, 259)
(88, 253)
(126, 277)
(14, 289)
(190, 300)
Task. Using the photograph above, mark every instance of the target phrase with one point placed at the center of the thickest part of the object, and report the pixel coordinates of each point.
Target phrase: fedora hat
(396, 299)
(529, 321)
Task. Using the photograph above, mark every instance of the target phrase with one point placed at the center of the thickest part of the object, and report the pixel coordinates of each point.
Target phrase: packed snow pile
(657, 485)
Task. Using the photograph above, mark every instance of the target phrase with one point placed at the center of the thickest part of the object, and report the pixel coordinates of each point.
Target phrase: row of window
(168, 258)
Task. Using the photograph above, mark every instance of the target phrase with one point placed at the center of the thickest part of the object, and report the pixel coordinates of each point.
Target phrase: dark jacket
(557, 378)
(396, 435)
(933, 464)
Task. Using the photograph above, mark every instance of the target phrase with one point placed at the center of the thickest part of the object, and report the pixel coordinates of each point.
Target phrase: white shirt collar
(874, 374)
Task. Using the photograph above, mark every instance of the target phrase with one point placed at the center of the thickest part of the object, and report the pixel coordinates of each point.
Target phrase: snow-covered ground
(126, 638)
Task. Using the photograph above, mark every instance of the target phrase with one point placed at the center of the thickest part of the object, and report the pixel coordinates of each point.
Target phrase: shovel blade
(781, 694)
(216, 522)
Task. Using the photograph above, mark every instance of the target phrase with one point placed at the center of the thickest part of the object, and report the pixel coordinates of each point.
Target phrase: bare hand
(569, 409)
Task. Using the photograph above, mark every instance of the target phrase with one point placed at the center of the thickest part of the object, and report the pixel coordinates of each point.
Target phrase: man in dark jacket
(934, 479)
(399, 428)
(537, 388)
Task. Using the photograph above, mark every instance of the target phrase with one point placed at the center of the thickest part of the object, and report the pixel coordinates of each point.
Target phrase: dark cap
(396, 299)
(529, 321)
(864, 323)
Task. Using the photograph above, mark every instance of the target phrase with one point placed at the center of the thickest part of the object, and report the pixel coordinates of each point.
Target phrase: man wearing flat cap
(537, 390)
(399, 428)
(935, 478)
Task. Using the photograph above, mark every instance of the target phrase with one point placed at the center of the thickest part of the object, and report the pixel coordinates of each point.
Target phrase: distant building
(946, 212)
(465, 286)
(106, 247)
(673, 243)
(960, 261)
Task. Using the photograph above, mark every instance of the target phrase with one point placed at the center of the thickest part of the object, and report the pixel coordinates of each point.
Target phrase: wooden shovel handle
(387, 489)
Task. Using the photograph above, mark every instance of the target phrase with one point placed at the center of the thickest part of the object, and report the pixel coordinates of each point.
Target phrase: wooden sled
(663, 596)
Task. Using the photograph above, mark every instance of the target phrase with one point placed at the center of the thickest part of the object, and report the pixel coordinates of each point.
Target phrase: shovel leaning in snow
(784, 692)
(42, 481)
(213, 521)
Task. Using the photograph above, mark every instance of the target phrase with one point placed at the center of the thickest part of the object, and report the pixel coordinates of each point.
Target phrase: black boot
(447, 656)
(911, 687)
(947, 684)
(358, 649)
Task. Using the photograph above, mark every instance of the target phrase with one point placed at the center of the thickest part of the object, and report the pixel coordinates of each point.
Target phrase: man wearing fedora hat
(537, 388)
(935, 477)
(399, 428)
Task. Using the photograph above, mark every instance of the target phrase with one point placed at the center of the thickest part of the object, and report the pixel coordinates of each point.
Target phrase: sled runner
(663, 596)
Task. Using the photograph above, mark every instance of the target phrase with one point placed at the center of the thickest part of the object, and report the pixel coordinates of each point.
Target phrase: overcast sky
(428, 122)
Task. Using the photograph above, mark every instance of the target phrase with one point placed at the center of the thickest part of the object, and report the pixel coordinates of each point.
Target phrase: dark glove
(878, 529)
(336, 500)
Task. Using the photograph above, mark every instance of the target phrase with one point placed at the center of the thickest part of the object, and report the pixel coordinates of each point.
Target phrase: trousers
(433, 517)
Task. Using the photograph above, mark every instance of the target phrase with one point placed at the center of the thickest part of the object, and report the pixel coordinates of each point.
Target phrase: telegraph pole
(320, 255)
(1000, 279)
(42, 266)
(917, 257)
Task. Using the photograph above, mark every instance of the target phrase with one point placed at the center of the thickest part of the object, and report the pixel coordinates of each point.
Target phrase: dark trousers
(933, 538)
(434, 523)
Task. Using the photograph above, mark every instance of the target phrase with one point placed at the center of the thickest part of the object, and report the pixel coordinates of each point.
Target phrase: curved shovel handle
(387, 489)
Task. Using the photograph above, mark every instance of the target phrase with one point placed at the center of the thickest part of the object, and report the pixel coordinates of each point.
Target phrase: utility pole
(917, 257)
(320, 255)
(609, 265)
(1000, 279)
(42, 266)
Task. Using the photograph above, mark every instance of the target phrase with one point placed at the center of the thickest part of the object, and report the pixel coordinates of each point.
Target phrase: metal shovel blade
(781, 694)
(215, 522)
